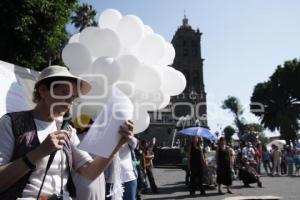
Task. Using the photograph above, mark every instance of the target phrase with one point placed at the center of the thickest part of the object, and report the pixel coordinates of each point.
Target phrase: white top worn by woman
(126, 164)
(52, 184)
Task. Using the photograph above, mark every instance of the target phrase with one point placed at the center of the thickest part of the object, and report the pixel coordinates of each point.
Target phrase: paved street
(171, 185)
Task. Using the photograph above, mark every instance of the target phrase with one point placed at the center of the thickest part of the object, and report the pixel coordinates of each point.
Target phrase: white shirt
(87, 189)
(52, 182)
(126, 163)
(249, 153)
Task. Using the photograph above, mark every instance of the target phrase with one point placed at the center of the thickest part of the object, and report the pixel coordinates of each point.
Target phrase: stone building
(188, 108)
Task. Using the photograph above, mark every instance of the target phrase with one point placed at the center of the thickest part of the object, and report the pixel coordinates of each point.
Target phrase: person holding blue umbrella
(197, 165)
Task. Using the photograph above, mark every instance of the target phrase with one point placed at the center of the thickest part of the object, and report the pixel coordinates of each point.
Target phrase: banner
(103, 136)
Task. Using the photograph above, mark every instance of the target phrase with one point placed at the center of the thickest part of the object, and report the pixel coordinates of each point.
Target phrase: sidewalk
(171, 186)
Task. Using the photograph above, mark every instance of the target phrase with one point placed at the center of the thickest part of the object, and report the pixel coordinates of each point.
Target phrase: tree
(84, 17)
(233, 104)
(252, 132)
(280, 97)
(228, 131)
(263, 139)
(33, 31)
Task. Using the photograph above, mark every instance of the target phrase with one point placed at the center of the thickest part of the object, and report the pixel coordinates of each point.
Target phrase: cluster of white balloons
(125, 53)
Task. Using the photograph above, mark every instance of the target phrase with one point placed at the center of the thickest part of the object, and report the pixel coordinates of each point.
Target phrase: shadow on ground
(169, 189)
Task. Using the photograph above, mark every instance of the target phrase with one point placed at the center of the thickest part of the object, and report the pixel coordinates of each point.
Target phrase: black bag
(142, 178)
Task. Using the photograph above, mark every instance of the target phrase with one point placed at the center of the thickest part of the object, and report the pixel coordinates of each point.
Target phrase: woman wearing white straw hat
(29, 138)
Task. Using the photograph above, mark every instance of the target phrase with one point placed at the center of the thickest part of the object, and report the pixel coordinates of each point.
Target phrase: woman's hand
(93, 169)
(53, 142)
(126, 131)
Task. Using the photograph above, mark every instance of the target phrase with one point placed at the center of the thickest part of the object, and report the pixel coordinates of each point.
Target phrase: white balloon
(174, 81)
(148, 30)
(130, 30)
(91, 107)
(93, 103)
(148, 78)
(101, 42)
(151, 49)
(88, 107)
(77, 57)
(86, 32)
(169, 55)
(127, 87)
(109, 18)
(141, 120)
(165, 102)
(127, 51)
(107, 67)
(98, 91)
(74, 38)
(129, 64)
(151, 101)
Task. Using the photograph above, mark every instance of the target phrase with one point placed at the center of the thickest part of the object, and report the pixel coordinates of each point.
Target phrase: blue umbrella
(200, 132)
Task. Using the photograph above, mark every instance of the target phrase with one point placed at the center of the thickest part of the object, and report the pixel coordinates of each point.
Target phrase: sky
(243, 41)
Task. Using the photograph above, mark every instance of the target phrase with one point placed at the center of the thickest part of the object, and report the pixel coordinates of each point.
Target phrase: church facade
(188, 108)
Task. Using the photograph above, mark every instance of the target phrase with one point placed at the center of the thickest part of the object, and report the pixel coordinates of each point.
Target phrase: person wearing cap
(28, 138)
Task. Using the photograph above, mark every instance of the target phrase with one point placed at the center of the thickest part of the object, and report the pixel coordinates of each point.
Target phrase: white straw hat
(59, 71)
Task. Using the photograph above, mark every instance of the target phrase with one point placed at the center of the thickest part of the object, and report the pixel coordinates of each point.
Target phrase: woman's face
(222, 142)
(59, 98)
(195, 140)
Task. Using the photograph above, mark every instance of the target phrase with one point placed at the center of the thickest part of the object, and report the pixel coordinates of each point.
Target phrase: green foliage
(254, 128)
(233, 104)
(229, 132)
(33, 31)
(280, 97)
(263, 139)
(252, 132)
(84, 16)
(246, 131)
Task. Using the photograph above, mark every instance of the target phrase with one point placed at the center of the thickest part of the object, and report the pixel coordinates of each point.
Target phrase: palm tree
(84, 17)
(233, 104)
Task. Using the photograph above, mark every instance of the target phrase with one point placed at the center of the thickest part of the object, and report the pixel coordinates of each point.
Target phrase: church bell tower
(192, 102)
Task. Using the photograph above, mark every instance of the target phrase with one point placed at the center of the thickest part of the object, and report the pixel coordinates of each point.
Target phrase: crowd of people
(217, 164)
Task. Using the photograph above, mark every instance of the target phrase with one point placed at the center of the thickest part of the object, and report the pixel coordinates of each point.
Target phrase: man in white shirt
(249, 152)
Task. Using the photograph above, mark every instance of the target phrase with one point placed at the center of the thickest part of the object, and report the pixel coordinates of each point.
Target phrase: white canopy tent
(278, 143)
(16, 87)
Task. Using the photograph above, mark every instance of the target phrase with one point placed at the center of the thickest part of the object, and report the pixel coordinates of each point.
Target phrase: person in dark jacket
(197, 165)
(248, 174)
(148, 156)
(224, 176)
